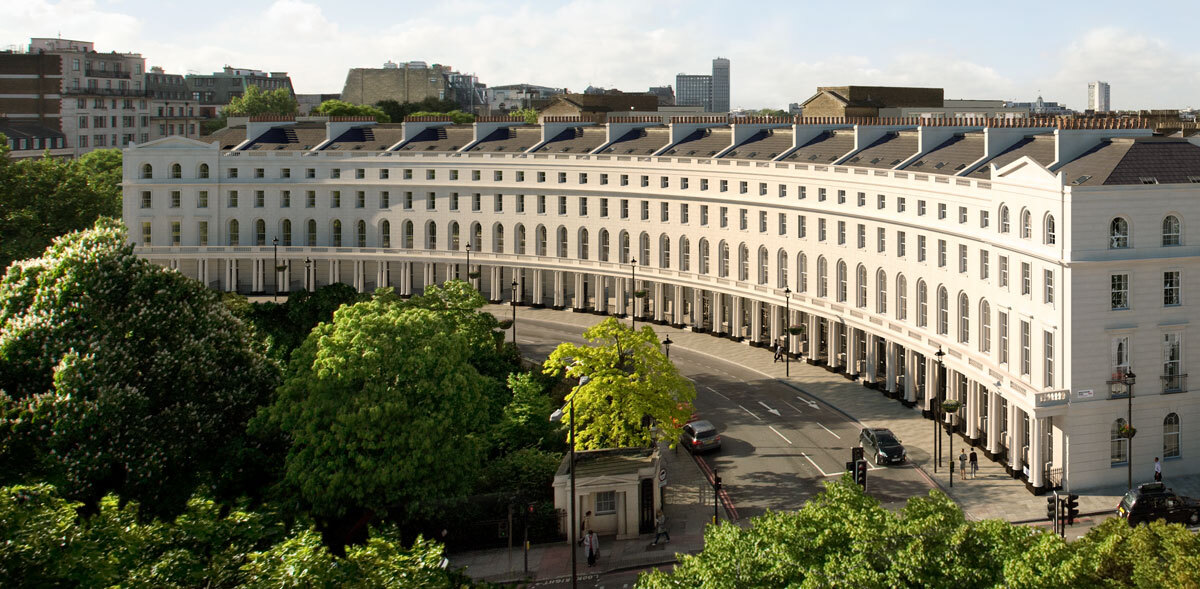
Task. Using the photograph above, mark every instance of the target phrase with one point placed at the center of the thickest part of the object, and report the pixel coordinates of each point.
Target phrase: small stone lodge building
(618, 485)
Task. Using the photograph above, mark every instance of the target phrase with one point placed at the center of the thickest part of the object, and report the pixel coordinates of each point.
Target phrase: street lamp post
(557, 416)
(307, 264)
(468, 260)
(633, 292)
(667, 344)
(275, 245)
(1129, 380)
(514, 307)
(936, 406)
(787, 337)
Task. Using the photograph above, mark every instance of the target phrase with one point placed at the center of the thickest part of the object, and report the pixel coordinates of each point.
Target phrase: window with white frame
(1048, 358)
(1171, 234)
(1048, 287)
(943, 311)
(1118, 444)
(1051, 232)
(1119, 292)
(1026, 348)
(985, 327)
(901, 298)
(983, 265)
(1026, 224)
(1004, 271)
(964, 319)
(1118, 234)
(1172, 288)
(901, 246)
(1002, 323)
(1172, 381)
(606, 502)
(1172, 448)
(1004, 220)
(880, 292)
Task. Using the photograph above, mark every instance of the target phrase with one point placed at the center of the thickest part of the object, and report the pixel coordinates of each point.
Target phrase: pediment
(1026, 169)
(175, 142)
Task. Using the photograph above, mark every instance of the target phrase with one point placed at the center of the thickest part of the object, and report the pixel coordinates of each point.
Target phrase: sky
(779, 51)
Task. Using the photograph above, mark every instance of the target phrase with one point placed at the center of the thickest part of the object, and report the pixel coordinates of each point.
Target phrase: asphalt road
(778, 444)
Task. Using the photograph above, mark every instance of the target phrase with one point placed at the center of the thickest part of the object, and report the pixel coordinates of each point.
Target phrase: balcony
(1052, 398)
(1174, 383)
(105, 92)
(1120, 384)
(106, 74)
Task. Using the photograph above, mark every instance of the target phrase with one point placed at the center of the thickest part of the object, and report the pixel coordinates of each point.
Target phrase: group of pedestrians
(779, 349)
(964, 460)
(590, 541)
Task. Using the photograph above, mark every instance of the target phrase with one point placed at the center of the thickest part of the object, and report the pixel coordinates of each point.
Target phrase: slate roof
(643, 141)
(1039, 147)
(510, 139)
(445, 138)
(886, 152)
(298, 137)
(368, 138)
(575, 140)
(1142, 160)
(702, 143)
(825, 148)
(227, 138)
(766, 144)
(952, 156)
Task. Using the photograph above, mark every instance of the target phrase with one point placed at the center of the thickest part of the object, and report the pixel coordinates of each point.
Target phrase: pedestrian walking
(778, 350)
(660, 528)
(962, 463)
(591, 544)
(974, 460)
(585, 524)
(1157, 470)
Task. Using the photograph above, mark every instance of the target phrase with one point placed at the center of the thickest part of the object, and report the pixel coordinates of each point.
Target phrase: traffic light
(717, 484)
(1072, 508)
(860, 473)
(856, 453)
(1051, 507)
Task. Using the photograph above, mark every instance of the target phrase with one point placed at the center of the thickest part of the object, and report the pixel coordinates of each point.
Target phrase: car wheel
(1194, 518)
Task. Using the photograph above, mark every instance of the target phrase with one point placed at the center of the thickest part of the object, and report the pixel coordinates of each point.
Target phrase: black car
(1153, 501)
(881, 445)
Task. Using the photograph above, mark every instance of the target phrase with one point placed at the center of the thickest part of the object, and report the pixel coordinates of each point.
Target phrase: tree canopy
(341, 108)
(529, 114)
(396, 111)
(43, 198)
(254, 102)
(631, 386)
(118, 375)
(457, 116)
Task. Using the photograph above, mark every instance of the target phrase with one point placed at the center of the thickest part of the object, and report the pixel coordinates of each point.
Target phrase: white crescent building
(1045, 259)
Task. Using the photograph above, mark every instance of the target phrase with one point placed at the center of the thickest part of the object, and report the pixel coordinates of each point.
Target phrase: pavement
(991, 494)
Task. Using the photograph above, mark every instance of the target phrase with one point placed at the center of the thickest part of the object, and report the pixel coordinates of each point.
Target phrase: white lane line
(751, 414)
(830, 431)
(793, 407)
(769, 409)
(780, 435)
(810, 461)
(719, 394)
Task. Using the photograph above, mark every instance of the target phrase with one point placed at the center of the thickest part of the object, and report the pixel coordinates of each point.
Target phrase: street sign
(662, 477)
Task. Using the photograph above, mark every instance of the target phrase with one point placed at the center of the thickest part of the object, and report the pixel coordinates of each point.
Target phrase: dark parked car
(700, 436)
(1153, 501)
(881, 445)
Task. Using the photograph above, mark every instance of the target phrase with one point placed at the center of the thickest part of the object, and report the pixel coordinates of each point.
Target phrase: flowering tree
(118, 375)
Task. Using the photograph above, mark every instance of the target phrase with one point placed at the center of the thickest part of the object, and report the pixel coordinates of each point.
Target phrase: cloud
(80, 20)
(1144, 71)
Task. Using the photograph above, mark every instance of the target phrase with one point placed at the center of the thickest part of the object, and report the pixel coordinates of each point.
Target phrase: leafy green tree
(457, 116)
(43, 198)
(254, 102)
(769, 112)
(526, 419)
(529, 114)
(341, 108)
(383, 411)
(118, 375)
(284, 326)
(631, 383)
(396, 111)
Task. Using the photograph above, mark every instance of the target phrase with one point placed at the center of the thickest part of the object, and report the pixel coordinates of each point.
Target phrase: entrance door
(646, 507)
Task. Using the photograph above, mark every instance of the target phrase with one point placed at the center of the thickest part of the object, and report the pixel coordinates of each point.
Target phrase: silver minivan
(700, 436)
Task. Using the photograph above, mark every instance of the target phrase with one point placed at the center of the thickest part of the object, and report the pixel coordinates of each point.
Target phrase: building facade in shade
(173, 109)
(31, 89)
(720, 85)
(694, 90)
(1025, 268)
(1098, 99)
(213, 91)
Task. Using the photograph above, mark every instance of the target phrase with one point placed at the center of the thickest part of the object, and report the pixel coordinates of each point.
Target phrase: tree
(341, 108)
(254, 102)
(529, 114)
(631, 384)
(457, 116)
(118, 375)
(43, 198)
(769, 112)
(284, 326)
(396, 111)
(526, 419)
(383, 412)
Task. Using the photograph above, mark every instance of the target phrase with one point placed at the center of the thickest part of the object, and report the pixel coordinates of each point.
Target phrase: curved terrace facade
(1045, 260)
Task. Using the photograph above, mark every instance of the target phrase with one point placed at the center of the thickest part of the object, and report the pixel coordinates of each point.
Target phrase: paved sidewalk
(992, 494)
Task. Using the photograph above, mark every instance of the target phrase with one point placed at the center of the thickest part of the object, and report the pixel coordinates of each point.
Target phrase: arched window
(783, 269)
(176, 171)
(604, 245)
(1026, 224)
(922, 304)
(285, 227)
(964, 318)
(1051, 236)
(562, 242)
(685, 255)
(385, 233)
(260, 232)
(311, 231)
(880, 291)
(901, 297)
(337, 233)
(664, 251)
(943, 311)
(234, 237)
(454, 235)
(498, 238)
(476, 237)
(1005, 225)
(1118, 234)
(582, 245)
(743, 262)
(407, 236)
(431, 236)
(802, 273)
(860, 286)
(539, 241)
(624, 247)
(842, 286)
(147, 171)
(520, 238)
(1171, 439)
(644, 249)
(1118, 445)
(203, 171)
(822, 277)
(1171, 234)
(723, 259)
(985, 327)
(763, 265)
(360, 233)
(704, 257)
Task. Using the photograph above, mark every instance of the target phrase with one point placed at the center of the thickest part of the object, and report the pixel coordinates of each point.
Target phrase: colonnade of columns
(1004, 431)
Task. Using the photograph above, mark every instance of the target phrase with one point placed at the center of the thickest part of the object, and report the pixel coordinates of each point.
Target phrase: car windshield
(1127, 500)
(705, 434)
(886, 440)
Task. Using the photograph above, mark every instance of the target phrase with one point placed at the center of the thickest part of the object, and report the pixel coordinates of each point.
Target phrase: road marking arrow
(812, 404)
(769, 410)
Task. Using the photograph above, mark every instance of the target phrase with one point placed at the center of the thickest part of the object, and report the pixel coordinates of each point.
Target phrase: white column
(621, 295)
(579, 300)
(993, 422)
(931, 384)
(428, 275)
(852, 351)
(599, 293)
(717, 312)
(910, 375)
(1037, 451)
(756, 321)
(659, 301)
(1015, 437)
(735, 323)
(697, 308)
(835, 344)
(516, 272)
(677, 306)
(230, 275)
(889, 361)
(871, 358)
(537, 287)
(813, 335)
(559, 289)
